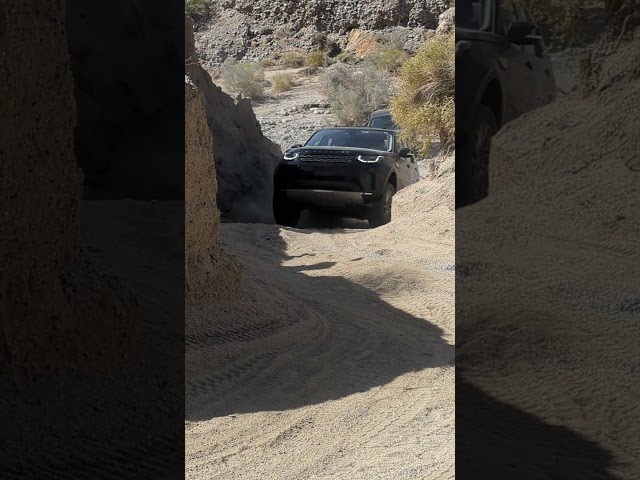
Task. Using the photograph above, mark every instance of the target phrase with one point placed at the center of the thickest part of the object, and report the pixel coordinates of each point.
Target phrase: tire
(285, 213)
(475, 152)
(380, 213)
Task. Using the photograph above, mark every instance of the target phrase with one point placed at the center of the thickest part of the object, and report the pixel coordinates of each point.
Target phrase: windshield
(383, 121)
(358, 138)
(474, 15)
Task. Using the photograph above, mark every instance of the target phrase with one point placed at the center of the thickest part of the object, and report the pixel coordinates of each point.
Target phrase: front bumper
(349, 182)
(328, 198)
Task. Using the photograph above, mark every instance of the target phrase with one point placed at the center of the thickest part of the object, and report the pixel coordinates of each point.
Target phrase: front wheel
(284, 212)
(380, 213)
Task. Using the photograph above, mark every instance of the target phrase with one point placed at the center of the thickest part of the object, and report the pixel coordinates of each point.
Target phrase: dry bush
(354, 94)
(316, 59)
(424, 107)
(347, 57)
(282, 82)
(268, 62)
(309, 71)
(389, 58)
(245, 78)
(319, 39)
(200, 11)
(292, 59)
(561, 21)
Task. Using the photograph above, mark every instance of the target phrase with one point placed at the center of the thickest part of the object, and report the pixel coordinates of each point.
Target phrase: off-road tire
(285, 213)
(380, 213)
(474, 177)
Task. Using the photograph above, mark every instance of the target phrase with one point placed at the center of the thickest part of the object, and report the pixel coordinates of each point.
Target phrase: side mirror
(520, 33)
(405, 153)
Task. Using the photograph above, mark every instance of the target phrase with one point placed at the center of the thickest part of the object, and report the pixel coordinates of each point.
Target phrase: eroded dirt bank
(547, 318)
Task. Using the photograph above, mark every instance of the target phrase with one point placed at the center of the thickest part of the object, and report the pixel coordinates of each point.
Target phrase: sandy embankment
(546, 315)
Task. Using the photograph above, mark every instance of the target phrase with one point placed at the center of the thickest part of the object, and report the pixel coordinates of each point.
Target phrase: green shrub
(424, 107)
(389, 58)
(316, 59)
(245, 78)
(354, 94)
(282, 82)
(292, 59)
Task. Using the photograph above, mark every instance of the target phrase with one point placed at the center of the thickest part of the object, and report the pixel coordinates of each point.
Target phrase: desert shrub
(316, 59)
(199, 10)
(245, 78)
(268, 62)
(389, 58)
(282, 82)
(347, 57)
(561, 21)
(309, 71)
(394, 40)
(319, 39)
(424, 106)
(332, 48)
(354, 94)
(265, 31)
(292, 59)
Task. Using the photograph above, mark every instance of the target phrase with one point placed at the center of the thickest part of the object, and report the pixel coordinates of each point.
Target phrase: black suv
(382, 119)
(354, 171)
(505, 71)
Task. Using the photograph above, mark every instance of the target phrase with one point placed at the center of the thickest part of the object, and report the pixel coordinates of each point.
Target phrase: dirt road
(337, 360)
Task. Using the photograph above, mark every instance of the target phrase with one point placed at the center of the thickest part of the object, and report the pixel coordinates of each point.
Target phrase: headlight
(370, 158)
(291, 156)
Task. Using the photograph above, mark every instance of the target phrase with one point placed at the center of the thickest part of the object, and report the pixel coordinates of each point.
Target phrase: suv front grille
(325, 157)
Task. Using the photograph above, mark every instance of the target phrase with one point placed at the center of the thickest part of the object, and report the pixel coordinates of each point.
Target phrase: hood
(337, 150)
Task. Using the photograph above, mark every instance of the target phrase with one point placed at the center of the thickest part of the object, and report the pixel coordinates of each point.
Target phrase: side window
(522, 14)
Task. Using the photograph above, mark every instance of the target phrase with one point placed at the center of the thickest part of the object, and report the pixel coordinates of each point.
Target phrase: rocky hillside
(248, 29)
(244, 157)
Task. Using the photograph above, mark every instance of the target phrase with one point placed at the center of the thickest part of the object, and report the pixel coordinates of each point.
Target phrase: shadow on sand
(349, 341)
(499, 441)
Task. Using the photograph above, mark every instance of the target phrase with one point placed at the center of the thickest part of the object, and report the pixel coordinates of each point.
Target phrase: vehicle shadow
(313, 219)
(510, 443)
(341, 339)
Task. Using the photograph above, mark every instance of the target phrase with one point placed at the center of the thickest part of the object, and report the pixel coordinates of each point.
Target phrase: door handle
(529, 65)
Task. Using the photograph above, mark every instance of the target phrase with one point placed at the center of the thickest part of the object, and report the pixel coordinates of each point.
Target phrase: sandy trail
(339, 361)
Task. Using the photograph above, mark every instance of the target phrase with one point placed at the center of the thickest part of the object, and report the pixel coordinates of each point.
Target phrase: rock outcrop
(55, 310)
(245, 159)
(264, 29)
